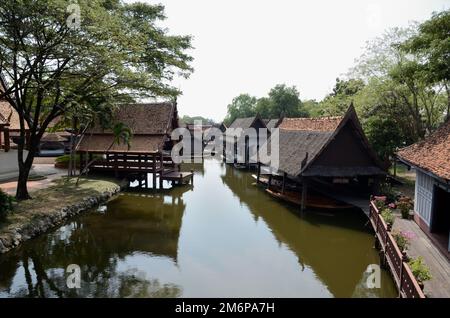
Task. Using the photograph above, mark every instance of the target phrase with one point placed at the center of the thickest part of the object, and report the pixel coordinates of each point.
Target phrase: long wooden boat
(312, 200)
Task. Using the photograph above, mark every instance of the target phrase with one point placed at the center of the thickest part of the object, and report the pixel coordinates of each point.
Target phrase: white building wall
(9, 167)
(424, 196)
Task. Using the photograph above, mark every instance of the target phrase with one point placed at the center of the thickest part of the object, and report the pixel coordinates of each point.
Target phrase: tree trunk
(24, 172)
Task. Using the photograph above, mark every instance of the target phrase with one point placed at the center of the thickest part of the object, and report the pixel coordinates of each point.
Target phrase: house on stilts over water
(241, 141)
(150, 145)
(323, 162)
(431, 160)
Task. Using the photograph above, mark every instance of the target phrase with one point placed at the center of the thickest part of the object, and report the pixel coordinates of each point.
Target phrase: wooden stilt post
(154, 171)
(192, 177)
(284, 182)
(270, 181)
(161, 170)
(304, 194)
(7, 144)
(81, 162)
(116, 172)
(259, 173)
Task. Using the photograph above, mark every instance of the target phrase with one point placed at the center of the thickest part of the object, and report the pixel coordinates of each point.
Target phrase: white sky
(249, 46)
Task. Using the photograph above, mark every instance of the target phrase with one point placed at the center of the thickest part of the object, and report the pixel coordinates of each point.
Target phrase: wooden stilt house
(236, 136)
(151, 144)
(329, 154)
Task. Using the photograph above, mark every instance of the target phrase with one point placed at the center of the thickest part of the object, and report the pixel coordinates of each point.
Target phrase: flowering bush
(405, 205)
(403, 239)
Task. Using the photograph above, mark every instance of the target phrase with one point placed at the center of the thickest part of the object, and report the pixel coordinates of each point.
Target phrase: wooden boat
(312, 200)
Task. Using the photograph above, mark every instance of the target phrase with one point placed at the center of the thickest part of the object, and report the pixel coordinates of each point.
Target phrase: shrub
(387, 191)
(405, 206)
(380, 203)
(403, 239)
(420, 269)
(6, 204)
(388, 216)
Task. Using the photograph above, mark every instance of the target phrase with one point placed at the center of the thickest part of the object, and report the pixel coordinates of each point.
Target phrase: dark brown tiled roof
(150, 124)
(144, 119)
(294, 148)
(138, 144)
(431, 154)
(244, 123)
(311, 124)
(271, 123)
(302, 140)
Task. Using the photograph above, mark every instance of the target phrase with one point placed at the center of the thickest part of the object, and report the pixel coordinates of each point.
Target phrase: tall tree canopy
(50, 68)
(281, 101)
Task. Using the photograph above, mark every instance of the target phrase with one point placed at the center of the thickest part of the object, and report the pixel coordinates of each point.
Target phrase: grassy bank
(52, 206)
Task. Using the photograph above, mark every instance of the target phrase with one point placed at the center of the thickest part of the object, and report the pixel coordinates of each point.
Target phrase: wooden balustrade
(392, 256)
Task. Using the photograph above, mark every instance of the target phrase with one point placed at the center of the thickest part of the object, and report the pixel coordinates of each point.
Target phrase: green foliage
(405, 207)
(420, 269)
(190, 120)
(387, 191)
(281, 101)
(242, 106)
(388, 216)
(384, 135)
(120, 53)
(6, 204)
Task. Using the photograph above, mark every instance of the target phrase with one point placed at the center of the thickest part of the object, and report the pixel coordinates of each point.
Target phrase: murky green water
(222, 238)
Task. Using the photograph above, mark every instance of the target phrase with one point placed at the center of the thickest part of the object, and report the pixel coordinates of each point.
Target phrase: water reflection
(328, 243)
(221, 238)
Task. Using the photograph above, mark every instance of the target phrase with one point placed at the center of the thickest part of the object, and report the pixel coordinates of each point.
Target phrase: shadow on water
(223, 237)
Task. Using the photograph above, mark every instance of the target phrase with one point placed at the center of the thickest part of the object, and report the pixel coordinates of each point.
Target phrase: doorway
(440, 221)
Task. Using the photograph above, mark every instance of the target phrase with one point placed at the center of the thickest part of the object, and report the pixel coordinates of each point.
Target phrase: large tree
(53, 64)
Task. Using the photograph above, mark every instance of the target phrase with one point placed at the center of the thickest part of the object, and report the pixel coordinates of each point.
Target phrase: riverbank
(52, 206)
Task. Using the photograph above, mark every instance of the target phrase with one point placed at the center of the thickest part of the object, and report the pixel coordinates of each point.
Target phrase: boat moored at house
(330, 155)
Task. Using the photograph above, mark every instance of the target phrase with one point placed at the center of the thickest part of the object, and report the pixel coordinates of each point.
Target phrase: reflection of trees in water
(335, 246)
(98, 243)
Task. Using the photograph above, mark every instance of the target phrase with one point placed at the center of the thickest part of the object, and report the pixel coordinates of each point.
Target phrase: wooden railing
(404, 279)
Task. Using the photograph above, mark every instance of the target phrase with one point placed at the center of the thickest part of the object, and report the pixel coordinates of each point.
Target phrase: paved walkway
(48, 170)
(421, 245)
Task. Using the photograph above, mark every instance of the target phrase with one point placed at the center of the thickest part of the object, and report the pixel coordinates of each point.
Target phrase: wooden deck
(178, 177)
(421, 245)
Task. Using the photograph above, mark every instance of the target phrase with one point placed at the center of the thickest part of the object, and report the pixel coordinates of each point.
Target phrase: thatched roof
(52, 137)
(151, 125)
(302, 144)
(431, 154)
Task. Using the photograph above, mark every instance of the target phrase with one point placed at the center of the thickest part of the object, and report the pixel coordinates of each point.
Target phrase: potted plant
(388, 217)
(420, 270)
(404, 205)
(403, 239)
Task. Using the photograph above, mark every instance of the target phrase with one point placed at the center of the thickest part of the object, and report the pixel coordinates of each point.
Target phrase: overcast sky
(249, 46)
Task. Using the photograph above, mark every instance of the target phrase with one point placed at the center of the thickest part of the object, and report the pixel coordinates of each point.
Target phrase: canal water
(223, 237)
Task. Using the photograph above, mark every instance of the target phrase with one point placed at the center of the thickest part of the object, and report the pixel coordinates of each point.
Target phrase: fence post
(402, 265)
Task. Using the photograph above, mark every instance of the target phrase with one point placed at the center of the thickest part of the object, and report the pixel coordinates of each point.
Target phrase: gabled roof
(150, 124)
(143, 119)
(302, 140)
(272, 123)
(245, 123)
(431, 154)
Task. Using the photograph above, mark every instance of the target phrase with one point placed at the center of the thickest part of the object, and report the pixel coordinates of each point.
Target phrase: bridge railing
(404, 279)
